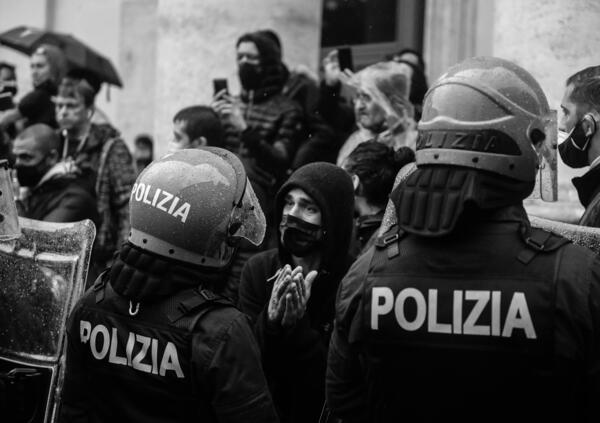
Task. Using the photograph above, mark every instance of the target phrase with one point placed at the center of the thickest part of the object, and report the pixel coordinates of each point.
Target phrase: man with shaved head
(51, 193)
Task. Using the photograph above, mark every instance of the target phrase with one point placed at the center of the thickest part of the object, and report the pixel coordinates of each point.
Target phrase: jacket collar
(588, 185)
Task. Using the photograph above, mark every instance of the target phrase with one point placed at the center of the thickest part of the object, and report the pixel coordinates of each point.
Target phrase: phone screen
(345, 58)
(219, 84)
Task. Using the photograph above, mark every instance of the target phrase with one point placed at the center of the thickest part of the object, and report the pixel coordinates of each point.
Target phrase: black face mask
(29, 176)
(250, 76)
(573, 150)
(300, 238)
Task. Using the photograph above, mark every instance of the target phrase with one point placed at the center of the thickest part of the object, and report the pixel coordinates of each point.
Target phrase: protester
(410, 55)
(318, 139)
(48, 66)
(382, 108)
(289, 291)
(178, 352)
(262, 126)
(418, 87)
(8, 86)
(373, 167)
(52, 193)
(104, 161)
(462, 309)
(579, 123)
(196, 126)
(143, 152)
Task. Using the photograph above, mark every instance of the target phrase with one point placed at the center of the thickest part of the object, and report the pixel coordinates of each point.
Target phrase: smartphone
(345, 58)
(220, 84)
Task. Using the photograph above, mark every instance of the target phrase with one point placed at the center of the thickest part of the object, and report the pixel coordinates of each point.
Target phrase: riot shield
(42, 274)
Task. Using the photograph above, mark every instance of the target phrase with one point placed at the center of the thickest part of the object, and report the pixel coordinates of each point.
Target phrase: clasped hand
(290, 295)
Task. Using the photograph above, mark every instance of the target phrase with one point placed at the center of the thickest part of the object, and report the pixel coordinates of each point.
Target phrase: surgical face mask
(173, 146)
(250, 76)
(29, 176)
(574, 149)
(299, 237)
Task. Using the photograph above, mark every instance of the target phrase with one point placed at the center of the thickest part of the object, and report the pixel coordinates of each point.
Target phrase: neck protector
(433, 198)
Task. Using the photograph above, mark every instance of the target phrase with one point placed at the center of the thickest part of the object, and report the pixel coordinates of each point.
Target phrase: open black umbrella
(79, 56)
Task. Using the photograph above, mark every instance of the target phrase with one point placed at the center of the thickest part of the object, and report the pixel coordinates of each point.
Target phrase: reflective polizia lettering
(142, 353)
(161, 200)
(483, 302)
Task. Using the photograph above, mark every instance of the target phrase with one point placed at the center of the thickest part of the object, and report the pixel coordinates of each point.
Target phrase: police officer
(463, 311)
(151, 342)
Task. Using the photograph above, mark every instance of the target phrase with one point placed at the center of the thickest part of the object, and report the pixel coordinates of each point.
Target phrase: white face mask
(175, 146)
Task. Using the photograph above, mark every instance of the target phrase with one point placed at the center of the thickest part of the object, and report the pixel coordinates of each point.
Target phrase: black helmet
(480, 123)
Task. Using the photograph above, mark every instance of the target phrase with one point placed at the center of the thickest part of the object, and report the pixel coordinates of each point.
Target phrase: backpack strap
(202, 301)
(539, 241)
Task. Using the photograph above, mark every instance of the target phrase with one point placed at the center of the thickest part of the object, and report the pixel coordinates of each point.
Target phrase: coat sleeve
(73, 206)
(346, 388)
(279, 151)
(253, 300)
(238, 387)
(121, 175)
(74, 404)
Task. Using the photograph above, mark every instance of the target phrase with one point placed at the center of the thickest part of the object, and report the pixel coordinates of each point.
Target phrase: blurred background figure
(418, 79)
(382, 108)
(105, 163)
(196, 126)
(262, 126)
(8, 86)
(48, 67)
(373, 167)
(410, 55)
(143, 151)
(8, 90)
(50, 191)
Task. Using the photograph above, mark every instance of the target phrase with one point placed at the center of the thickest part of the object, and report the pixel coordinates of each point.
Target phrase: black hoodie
(295, 359)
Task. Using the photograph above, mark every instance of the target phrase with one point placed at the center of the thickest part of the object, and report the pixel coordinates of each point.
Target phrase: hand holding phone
(219, 85)
(345, 59)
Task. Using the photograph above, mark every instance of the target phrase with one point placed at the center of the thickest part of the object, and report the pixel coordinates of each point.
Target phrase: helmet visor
(546, 181)
(248, 220)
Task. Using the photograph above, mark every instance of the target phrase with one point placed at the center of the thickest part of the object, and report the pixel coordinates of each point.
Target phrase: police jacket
(498, 322)
(184, 356)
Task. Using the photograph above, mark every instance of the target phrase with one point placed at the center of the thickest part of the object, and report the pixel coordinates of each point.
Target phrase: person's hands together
(277, 301)
(297, 294)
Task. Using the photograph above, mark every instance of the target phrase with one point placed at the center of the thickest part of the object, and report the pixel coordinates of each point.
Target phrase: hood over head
(274, 73)
(331, 188)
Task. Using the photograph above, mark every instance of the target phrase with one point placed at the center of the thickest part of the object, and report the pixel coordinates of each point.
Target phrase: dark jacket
(456, 364)
(37, 106)
(182, 363)
(272, 118)
(365, 232)
(62, 198)
(294, 359)
(107, 166)
(588, 190)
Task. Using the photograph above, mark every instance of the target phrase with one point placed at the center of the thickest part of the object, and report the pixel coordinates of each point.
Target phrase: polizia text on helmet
(161, 200)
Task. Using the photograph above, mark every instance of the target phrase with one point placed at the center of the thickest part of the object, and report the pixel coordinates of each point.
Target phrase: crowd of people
(347, 249)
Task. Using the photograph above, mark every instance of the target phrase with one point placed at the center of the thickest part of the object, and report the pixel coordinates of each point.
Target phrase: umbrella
(79, 56)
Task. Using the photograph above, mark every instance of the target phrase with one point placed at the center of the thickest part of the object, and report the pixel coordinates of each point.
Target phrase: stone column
(196, 43)
(455, 30)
